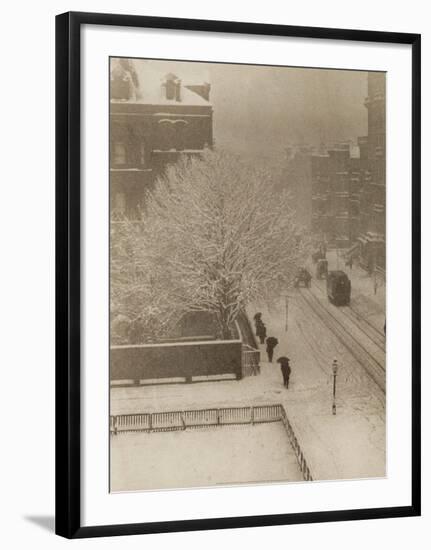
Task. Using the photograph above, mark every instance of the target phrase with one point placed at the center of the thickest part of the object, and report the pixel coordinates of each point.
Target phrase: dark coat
(285, 364)
(271, 342)
(286, 370)
(261, 330)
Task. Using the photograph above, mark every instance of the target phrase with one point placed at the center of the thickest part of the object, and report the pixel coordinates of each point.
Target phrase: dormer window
(172, 87)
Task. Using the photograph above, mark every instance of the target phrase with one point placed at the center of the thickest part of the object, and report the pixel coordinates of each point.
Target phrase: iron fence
(250, 361)
(198, 418)
(296, 446)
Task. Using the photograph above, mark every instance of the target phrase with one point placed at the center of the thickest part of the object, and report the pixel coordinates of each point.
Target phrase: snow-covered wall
(173, 360)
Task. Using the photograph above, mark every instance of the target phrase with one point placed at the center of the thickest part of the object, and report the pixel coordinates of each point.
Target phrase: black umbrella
(272, 341)
(283, 360)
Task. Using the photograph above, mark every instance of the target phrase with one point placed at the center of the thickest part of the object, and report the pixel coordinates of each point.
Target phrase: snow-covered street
(348, 445)
(367, 300)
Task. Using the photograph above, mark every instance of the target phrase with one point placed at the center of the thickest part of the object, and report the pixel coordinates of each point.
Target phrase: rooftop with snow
(151, 82)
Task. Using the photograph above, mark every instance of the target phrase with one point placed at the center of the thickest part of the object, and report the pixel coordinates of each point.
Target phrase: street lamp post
(286, 310)
(334, 385)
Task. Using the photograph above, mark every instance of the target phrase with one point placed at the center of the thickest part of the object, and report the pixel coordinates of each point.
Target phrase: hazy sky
(262, 109)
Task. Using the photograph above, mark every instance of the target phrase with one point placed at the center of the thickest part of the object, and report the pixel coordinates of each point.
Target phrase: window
(142, 155)
(119, 153)
(172, 133)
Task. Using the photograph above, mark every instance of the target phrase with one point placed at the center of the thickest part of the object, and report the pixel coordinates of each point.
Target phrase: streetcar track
(370, 364)
(378, 340)
(374, 334)
(335, 318)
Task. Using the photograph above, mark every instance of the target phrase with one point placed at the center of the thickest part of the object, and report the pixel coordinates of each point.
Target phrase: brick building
(297, 176)
(337, 180)
(349, 190)
(154, 118)
(372, 236)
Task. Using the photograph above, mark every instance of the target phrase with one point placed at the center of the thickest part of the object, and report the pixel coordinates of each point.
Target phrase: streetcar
(338, 288)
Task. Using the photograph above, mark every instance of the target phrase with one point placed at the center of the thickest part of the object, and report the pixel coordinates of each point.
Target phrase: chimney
(172, 86)
(170, 89)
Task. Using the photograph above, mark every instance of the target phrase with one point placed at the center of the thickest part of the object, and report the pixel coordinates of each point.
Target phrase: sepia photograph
(247, 274)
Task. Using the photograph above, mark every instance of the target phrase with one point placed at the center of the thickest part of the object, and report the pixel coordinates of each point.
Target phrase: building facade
(349, 190)
(152, 123)
(297, 177)
(372, 236)
(337, 182)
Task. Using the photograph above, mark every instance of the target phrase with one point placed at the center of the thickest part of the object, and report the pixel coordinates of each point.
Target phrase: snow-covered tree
(215, 237)
(137, 292)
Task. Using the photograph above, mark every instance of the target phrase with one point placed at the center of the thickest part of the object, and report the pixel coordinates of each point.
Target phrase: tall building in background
(297, 176)
(373, 200)
(336, 179)
(150, 127)
(349, 189)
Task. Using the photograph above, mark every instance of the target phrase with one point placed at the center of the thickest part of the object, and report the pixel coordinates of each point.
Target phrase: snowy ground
(370, 304)
(351, 444)
(202, 457)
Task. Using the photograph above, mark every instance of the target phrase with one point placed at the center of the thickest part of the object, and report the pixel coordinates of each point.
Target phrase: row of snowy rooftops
(324, 150)
(349, 149)
(153, 82)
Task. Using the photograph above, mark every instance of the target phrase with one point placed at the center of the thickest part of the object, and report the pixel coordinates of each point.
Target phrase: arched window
(173, 133)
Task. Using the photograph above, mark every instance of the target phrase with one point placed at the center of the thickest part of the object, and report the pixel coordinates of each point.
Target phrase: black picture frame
(68, 263)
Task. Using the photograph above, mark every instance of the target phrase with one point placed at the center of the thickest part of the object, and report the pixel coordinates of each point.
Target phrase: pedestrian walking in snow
(257, 321)
(261, 332)
(285, 370)
(271, 343)
(257, 317)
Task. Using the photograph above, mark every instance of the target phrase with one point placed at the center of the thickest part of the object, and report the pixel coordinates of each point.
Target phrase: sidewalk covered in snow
(349, 445)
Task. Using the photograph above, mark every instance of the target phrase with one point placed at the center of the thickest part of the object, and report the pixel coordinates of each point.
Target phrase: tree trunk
(224, 325)
(226, 332)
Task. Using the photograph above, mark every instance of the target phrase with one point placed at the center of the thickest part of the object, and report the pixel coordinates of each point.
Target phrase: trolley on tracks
(338, 288)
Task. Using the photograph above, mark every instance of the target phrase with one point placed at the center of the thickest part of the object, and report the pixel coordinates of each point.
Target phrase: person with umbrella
(271, 343)
(285, 370)
(261, 332)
